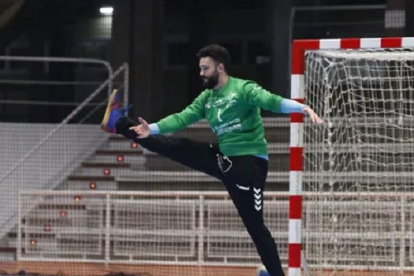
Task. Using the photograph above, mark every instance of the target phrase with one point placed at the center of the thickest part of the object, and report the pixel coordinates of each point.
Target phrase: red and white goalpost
(353, 173)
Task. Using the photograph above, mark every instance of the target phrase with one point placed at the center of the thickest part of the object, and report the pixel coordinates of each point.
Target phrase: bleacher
(121, 164)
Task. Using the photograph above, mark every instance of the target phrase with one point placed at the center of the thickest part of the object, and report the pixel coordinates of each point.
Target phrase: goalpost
(353, 174)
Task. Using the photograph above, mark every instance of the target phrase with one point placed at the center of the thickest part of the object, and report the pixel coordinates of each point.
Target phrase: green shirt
(233, 112)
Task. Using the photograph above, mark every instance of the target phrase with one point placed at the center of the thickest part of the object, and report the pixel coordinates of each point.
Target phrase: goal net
(359, 165)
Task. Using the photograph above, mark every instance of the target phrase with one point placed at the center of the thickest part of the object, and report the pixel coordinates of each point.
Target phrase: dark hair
(217, 52)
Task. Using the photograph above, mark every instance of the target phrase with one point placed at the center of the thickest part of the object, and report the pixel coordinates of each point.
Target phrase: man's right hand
(142, 130)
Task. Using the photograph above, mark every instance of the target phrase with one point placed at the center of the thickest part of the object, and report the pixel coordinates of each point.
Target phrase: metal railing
(203, 228)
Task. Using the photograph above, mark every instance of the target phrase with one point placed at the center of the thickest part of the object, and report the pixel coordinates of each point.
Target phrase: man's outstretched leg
(196, 155)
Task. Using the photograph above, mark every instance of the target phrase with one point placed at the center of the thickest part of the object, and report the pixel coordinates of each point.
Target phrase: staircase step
(116, 138)
(86, 185)
(187, 186)
(277, 130)
(119, 152)
(90, 178)
(189, 181)
(107, 170)
(105, 165)
(133, 160)
(121, 143)
(279, 163)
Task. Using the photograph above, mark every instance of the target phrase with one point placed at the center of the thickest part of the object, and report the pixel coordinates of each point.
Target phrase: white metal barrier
(203, 228)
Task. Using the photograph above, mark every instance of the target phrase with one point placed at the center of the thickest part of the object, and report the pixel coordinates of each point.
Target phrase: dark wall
(159, 40)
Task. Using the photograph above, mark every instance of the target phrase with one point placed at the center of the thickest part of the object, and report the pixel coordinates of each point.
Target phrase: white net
(359, 165)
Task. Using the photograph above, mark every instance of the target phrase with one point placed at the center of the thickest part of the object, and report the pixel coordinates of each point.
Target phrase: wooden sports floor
(85, 269)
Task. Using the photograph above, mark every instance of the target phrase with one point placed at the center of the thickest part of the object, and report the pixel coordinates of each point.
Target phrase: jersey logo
(231, 96)
(218, 115)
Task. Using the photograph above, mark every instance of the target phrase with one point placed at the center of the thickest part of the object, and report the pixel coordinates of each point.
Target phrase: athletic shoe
(113, 113)
(261, 271)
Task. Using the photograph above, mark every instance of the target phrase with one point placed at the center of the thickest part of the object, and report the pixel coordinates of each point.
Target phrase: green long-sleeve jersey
(233, 112)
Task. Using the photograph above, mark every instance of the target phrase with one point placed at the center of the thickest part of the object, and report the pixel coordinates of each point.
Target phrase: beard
(210, 82)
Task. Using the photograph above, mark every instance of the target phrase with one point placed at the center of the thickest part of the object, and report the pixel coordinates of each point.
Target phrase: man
(240, 160)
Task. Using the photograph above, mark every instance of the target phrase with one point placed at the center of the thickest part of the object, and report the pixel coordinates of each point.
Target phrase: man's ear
(220, 67)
